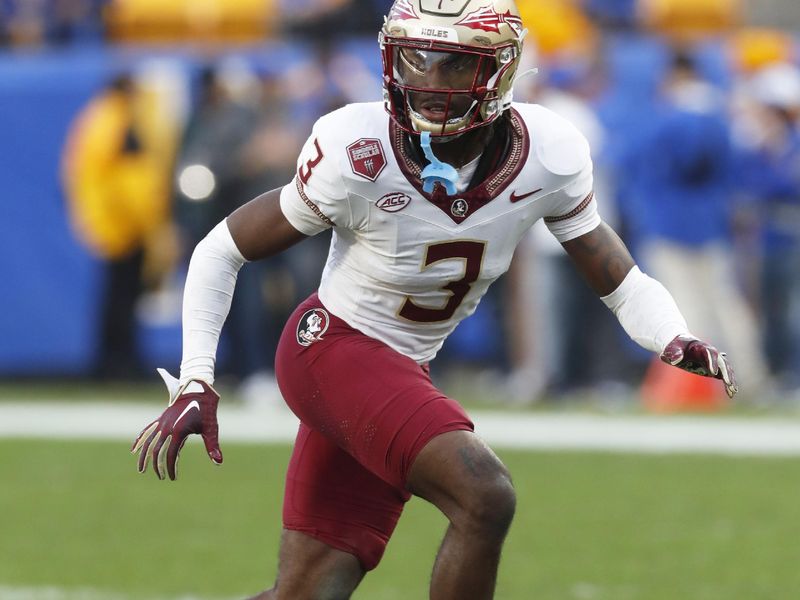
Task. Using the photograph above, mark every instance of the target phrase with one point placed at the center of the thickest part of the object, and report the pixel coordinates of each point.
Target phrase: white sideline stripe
(562, 431)
(9, 592)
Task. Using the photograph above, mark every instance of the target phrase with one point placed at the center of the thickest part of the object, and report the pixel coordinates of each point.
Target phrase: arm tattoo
(601, 257)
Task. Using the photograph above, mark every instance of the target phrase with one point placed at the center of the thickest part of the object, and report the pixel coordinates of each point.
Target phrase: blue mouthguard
(437, 171)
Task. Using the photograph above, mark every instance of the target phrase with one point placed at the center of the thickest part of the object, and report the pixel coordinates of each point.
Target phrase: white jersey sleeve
(572, 210)
(317, 198)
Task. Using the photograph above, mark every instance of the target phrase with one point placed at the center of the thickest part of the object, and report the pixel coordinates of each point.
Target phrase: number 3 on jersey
(305, 171)
(471, 252)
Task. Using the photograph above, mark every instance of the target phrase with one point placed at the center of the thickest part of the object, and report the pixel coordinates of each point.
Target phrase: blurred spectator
(38, 22)
(269, 161)
(551, 306)
(612, 14)
(556, 25)
(242, 140)
(753, 49)
(769, 174)
(680, 204)
(690, 20)
(117, 186)
(209, 21)
(211, 185)
(324, 20)
(209, 161)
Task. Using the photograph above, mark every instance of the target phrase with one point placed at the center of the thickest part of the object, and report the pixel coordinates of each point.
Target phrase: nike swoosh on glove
(192, 409)
(695, 356)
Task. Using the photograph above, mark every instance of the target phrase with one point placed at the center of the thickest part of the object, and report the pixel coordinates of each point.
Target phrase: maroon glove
(192, 409)
(690, 354)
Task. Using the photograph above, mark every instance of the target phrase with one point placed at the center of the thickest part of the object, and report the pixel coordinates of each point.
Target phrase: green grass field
(588, 527)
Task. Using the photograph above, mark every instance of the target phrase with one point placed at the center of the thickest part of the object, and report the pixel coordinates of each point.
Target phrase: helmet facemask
(445, 88)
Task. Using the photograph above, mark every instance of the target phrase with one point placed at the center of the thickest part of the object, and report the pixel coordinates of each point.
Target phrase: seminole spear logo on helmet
(449, 65)
(488, 19)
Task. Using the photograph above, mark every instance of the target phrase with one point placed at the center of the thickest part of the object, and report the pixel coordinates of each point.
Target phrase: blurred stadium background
(128, 128)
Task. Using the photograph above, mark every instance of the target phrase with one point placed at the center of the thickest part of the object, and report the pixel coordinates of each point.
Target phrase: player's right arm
(315, 200)
(259, 228)
(256, 230)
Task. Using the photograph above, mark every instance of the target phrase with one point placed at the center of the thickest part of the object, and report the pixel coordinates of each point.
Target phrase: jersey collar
(501, 163)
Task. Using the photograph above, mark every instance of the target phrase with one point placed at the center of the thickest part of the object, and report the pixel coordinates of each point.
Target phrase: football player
(428, 194)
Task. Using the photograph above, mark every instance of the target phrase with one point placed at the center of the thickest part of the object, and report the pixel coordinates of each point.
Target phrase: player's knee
(330, 589)
(327, 586)
(491, 505)
(334, 591)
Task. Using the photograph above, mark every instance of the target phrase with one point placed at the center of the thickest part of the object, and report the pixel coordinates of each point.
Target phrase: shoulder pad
(559, 146)
(365, 117)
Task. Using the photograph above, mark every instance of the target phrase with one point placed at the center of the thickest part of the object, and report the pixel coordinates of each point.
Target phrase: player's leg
(338, 518)
(382, 415)
(460, 475)
(311, 569)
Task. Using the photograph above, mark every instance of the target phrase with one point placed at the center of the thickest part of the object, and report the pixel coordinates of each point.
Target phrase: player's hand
(690, 354)
(192, 409)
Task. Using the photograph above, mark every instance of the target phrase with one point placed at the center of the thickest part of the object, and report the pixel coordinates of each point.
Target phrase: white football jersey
(405, 267)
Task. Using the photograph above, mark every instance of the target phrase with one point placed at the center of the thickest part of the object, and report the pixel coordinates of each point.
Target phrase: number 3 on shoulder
(304, 173)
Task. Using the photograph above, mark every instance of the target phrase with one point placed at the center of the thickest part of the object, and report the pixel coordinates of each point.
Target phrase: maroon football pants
(366, 411)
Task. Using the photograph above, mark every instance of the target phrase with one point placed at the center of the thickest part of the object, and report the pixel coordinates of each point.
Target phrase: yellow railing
(190, 20)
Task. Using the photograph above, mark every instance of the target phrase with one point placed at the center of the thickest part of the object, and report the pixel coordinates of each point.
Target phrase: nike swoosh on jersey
(191, 405)
(515, 198)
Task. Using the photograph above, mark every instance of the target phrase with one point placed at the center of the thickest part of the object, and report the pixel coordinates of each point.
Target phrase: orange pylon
(667, 389)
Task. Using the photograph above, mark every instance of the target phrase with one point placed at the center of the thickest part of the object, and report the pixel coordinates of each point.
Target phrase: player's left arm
(644, 307)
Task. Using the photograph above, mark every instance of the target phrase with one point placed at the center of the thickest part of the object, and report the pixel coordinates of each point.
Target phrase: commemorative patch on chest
(367, 158)
(312, 325)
